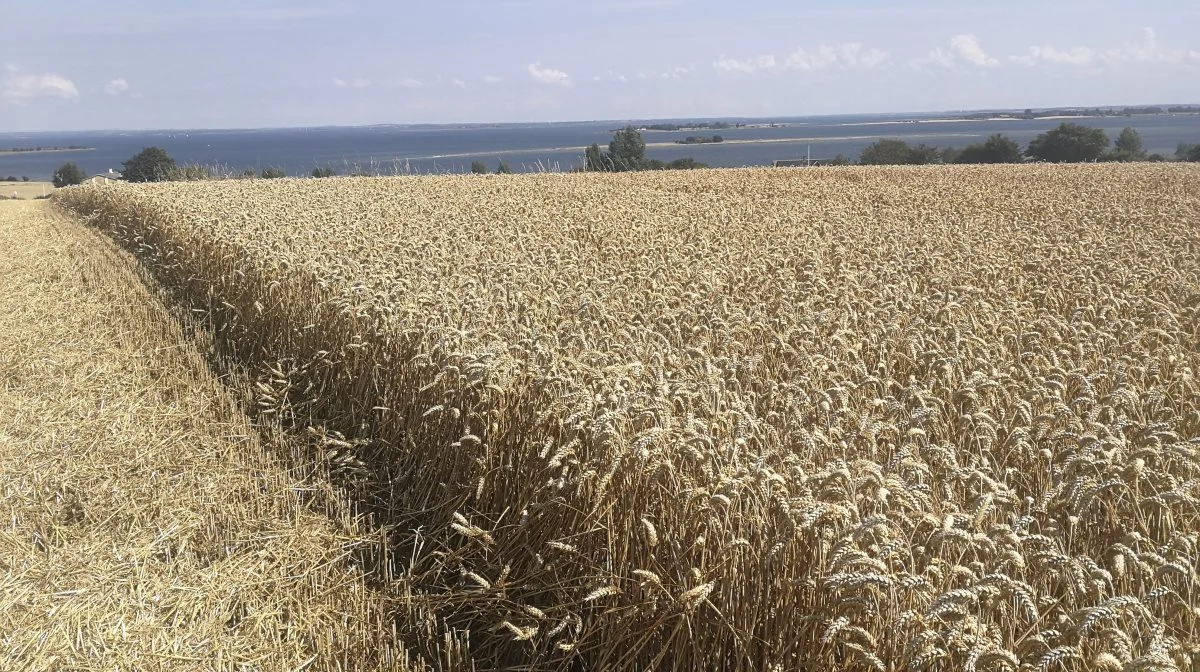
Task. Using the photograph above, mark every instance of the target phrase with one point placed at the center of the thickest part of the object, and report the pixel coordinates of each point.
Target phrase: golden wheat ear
(865, 418)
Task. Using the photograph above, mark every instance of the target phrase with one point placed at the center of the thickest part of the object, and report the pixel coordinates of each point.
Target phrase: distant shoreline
(714, 127)
(44, 150)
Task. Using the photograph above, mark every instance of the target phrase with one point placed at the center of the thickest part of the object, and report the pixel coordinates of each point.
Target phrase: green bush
(152, 164)
(191, 172)
(997, 149)
(1069, 143)
(67, 175)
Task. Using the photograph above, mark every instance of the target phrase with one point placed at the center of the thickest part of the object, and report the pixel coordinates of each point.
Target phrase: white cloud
(1077, 56)
(1146, 51)
(749, 65)
(492, 79)
(635, 5)
(962, 50)
(458, 83)
(548, 75)
(356, 83)
(19, 87)
(849, 55)
(116, 87)
(818, 59)
(611, 76)
(410, 83)
(967, 48)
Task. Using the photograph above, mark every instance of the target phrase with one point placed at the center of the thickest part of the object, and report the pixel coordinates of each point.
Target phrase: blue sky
(222, 64)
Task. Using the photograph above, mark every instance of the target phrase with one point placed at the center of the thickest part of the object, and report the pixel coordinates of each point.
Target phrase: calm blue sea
(531, 147)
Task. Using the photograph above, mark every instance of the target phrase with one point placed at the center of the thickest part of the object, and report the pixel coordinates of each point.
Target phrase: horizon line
(922, 113)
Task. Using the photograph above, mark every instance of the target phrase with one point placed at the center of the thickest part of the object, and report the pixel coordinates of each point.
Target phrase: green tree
(502, 168)
(272, 173)
(323, 172)
(478, 168)
(1183, 150)
(839, 160)
(595, 160)
(1069, 143)
(1193, 154)
(1128, 147)
(152, 164)
(950, 154)
(67, 175)
(627, 151)
(923, 154)
(1130, 142)
(886, 152)
(996, 149)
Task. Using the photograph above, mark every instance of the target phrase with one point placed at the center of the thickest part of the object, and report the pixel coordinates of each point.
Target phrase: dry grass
(24, 190)
(143, 524)
(870, 418)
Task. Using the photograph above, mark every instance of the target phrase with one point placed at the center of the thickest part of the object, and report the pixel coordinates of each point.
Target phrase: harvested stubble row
(143, 525)
(930, 418)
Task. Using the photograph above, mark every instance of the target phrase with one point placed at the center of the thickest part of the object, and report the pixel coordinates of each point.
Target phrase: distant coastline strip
(660, 145)
(43, 150)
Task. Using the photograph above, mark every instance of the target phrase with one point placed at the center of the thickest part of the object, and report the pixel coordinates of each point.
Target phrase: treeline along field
(916, 418)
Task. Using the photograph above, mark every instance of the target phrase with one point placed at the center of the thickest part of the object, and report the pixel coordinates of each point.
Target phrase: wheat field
(928, 418)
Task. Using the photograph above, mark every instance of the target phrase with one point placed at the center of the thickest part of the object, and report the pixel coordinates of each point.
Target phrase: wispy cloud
(1077, 56)
(638, 5)
(355, 83)
(548, 75)
(962, 51)
(458, 83)
(19, 87)
(410, 83)
(748, 65)
(1147, 50)
(677, 72)
(598, 6)
(274, 13)
(849, 55)
(492, 79)
(116, 87)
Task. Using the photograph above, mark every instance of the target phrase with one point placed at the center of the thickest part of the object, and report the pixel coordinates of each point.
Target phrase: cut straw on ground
(143, 523)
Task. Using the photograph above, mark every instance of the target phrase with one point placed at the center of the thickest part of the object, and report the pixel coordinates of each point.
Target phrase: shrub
(1069, 143)
(152, 164)
(997, 149)
(68, 174)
